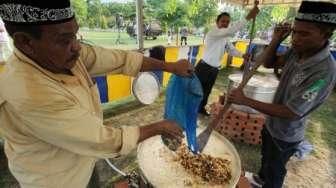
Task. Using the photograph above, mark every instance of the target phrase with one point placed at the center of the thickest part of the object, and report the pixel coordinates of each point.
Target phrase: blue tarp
(333, 52)
(102, 87)
(192, 54)
(183, 96)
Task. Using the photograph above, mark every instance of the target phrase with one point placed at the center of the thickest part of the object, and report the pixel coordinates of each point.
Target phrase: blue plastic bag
(303, 150)
(183, 96)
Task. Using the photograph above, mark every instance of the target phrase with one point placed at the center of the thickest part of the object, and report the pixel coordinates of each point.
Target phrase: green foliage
(103, 22)
(178, 13)
(81, 12)
(202, 12)
(127, 10)
(172, 13)
(279, 13)
(94, 13)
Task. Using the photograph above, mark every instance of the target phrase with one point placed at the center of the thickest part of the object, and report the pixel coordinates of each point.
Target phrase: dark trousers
(207, 76)
(94, 180)
(275, 155)
(184, 39)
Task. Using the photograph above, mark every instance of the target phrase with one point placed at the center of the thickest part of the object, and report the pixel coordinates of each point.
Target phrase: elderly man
(308, 76)
(50, 113)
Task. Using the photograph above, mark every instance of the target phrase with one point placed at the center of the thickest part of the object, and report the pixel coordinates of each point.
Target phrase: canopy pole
(140, 24)
(247, 62)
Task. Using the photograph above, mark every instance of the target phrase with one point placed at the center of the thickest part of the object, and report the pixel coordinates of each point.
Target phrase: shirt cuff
(133, 63)
(130, 137)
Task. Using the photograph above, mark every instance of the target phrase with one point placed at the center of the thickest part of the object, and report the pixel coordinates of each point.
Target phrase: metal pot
(160, 167)
(260, 87)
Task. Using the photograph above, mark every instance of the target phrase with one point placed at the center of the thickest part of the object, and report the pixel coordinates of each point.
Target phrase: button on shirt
(303, 87)
(217, 43)
(52, 123)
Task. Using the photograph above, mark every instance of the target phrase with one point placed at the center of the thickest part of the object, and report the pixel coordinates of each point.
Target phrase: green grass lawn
(321, 129)
(109, 39)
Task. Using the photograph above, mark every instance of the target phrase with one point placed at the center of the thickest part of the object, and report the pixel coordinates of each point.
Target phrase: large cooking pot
(162, 170)
(259, 87)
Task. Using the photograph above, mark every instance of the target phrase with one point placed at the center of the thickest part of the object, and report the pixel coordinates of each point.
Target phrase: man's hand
(253, 13)
(281, 31)
(182, 67)
(237, 96)
(165, 127)
(247, 57)
(170, 128)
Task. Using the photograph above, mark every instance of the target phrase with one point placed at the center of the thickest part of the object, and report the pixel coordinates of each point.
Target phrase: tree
(81, 11)
(170, 13)
(202, 12)
(279, 13)
(94, 13)
(126, 10)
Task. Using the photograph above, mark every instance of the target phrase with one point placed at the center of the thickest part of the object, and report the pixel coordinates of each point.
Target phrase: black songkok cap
(35, 12)
(318, 12)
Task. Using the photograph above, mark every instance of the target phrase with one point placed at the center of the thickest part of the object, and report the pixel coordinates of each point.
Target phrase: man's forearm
(277, 110)
(151, 64)
(148, 131)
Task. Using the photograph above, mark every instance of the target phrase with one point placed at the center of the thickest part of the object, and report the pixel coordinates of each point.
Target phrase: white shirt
(217, 43)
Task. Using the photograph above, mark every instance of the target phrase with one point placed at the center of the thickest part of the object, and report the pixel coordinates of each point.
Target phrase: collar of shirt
(318, 57)
(63, 78)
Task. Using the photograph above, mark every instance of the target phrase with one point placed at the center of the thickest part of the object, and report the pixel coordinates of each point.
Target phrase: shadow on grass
(321, 130)
(249, 155)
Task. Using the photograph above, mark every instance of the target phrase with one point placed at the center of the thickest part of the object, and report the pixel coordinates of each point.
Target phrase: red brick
(221, 99)
(231, 134)
(239, 115)
(234, 123)
(249, 135)
(253, 126)
(252, 141)
(241, 126)
(257, 118)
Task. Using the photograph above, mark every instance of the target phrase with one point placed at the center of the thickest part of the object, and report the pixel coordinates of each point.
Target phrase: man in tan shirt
(50, 115)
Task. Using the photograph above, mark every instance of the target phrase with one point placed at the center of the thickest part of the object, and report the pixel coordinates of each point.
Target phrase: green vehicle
(151, 30)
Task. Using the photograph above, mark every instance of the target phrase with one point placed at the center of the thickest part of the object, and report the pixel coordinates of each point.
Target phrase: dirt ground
(318, 170)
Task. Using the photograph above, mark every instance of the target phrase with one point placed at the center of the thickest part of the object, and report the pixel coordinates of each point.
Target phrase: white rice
(160, 167)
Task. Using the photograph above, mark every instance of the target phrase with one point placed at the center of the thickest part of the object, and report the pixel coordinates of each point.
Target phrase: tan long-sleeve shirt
(52, 123)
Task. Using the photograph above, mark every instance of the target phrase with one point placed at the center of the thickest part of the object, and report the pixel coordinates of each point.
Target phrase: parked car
(151, 30)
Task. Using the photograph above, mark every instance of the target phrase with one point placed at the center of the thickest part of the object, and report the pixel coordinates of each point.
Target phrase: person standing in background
(169, 37)
(184, 35)
(216, 44)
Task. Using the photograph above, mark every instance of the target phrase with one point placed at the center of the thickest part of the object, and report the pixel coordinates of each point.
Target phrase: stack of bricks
(239, 125)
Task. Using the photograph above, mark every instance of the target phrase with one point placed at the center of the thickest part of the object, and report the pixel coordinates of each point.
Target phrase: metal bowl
(157, 163)
(260, 87)
(146, 87)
